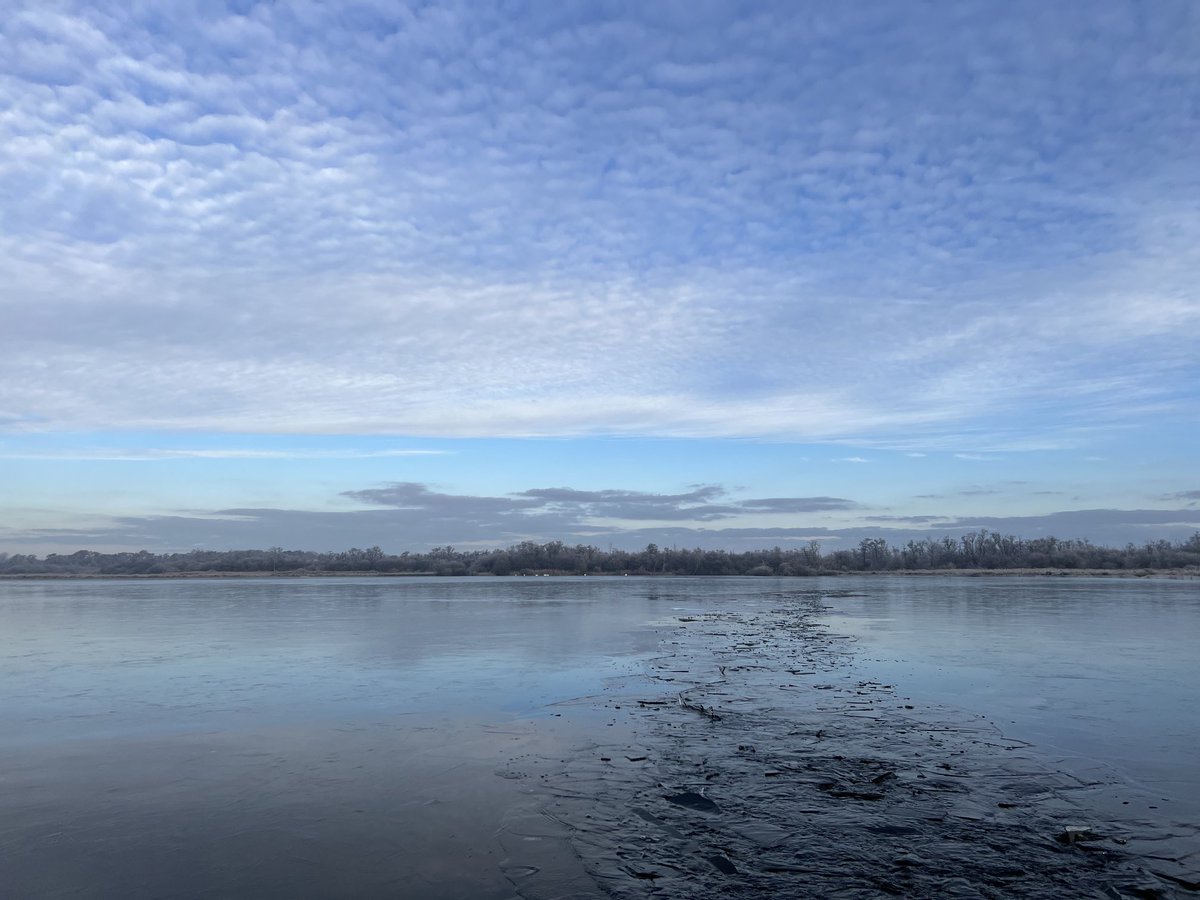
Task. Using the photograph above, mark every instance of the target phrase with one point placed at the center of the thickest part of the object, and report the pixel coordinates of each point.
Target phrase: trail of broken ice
(751, 757)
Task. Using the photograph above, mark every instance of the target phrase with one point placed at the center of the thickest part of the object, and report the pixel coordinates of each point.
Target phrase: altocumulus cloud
(852, 222)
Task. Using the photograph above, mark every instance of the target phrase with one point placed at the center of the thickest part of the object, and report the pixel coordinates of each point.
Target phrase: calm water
(284, 738)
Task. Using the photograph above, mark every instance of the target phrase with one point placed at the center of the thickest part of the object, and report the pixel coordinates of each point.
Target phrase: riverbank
(1189, 573)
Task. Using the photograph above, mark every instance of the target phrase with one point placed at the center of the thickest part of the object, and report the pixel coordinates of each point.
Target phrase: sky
(716, 274)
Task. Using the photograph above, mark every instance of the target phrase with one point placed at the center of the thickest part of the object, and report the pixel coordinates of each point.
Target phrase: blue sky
(366, 273)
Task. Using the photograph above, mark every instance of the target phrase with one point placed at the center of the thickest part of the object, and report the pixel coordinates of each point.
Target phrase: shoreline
(1186, 574)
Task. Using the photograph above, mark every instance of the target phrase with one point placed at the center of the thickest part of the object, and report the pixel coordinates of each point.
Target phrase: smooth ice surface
(282, 737)
(1097, 670)
(396, 737)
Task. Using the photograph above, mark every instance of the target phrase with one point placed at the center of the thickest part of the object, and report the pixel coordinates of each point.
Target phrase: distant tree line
(977, 550)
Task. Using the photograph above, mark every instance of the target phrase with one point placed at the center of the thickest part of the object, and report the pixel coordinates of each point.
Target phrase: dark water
(622, 737)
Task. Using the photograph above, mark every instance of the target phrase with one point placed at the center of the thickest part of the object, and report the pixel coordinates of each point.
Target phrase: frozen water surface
(599, 737)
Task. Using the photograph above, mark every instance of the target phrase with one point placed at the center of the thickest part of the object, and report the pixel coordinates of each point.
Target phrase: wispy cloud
(1180, 495)
(907, 520)
(150, 455)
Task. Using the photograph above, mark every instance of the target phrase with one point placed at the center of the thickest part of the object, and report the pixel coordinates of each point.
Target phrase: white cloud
(453, 222)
